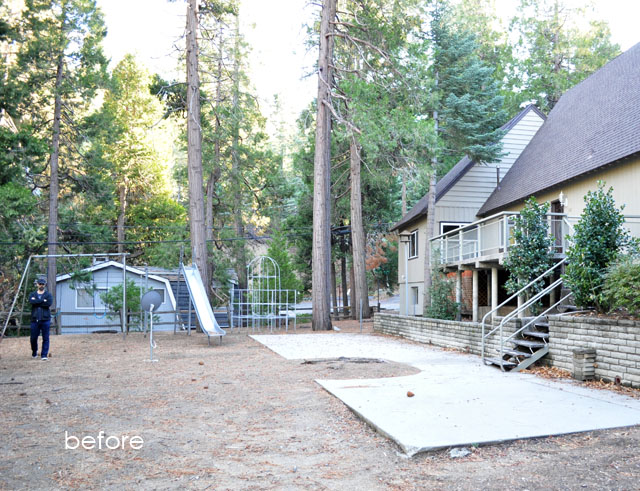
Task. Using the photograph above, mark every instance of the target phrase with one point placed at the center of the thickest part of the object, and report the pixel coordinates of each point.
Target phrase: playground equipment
(30, 274)
(264, 302)
(201, 303)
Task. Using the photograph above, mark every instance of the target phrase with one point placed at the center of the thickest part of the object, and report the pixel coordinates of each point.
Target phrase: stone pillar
(474, 296)
(584, 360)
(459, 287)
(494, 291)
(520, 302)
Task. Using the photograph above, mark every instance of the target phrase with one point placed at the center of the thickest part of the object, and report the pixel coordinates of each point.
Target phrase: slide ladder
(201, 303)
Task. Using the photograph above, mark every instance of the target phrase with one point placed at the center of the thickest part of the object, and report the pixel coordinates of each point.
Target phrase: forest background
(97, 159)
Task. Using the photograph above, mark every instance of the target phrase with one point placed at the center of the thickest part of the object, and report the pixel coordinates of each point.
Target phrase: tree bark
(194, 149)
(240, 246)
(321, 256)
(345, 286)
(353, 299)
(334, 287)
(431, 221)
(54, 184)
(404, 192)
(358, 239)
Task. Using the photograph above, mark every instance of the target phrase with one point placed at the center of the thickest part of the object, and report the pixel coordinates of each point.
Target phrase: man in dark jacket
(40, 301)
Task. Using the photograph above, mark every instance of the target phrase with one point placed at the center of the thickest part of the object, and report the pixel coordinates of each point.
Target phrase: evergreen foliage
(279, 251)
(442, 294)
(598, 240)
(622, 284)
(531, 253)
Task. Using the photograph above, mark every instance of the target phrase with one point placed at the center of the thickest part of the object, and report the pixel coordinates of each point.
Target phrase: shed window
(89, 299)
(160, 291)
(413, 245)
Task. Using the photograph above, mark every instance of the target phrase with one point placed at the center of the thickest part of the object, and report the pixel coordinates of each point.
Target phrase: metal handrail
(528, 285)
(523, 307)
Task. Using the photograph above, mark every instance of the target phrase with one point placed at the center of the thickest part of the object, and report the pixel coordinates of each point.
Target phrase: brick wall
(464, 336)
(617, 342)
(617, 345)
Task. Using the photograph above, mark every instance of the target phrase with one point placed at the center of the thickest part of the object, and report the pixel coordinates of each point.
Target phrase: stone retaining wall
(617, 342)
(617, 345)
(463, 336)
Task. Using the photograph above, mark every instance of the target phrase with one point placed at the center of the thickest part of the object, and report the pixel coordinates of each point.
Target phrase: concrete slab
(458, 400)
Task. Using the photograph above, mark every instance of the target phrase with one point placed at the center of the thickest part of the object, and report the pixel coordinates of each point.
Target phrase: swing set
(28, 272)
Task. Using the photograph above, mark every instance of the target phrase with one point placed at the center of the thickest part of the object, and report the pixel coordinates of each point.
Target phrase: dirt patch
(238, 416)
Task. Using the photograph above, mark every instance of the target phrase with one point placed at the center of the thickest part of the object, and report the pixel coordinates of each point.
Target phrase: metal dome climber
(264, 302)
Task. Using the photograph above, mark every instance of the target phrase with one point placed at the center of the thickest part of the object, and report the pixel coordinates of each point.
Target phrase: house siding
(624, 178)
(461, 203)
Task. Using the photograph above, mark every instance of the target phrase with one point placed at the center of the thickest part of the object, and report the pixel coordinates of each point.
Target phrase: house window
(414, 295)
(413, 245)
(449, 226)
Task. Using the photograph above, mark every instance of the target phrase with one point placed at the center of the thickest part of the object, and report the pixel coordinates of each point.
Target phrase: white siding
(465, 198)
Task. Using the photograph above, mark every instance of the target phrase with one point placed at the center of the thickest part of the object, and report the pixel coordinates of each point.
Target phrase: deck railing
(492, 237)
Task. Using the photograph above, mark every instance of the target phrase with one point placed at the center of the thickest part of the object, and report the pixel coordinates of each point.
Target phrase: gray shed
(82, 310)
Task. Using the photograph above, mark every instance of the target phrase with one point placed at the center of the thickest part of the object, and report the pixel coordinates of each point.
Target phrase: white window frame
(414, 245)
(451, 224)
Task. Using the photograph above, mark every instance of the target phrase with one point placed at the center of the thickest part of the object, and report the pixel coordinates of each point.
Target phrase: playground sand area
(239, 416)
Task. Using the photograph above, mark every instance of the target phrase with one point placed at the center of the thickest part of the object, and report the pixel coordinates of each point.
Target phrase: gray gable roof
(455, 174)
(594, 124)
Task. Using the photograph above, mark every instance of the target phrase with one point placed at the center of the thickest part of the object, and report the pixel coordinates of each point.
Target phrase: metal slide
(201, 303)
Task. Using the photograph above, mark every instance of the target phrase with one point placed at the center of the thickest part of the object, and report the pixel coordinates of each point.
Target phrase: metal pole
(175, 320)
(124, 296)
(146, 289)
(15, 299)
(406, 278)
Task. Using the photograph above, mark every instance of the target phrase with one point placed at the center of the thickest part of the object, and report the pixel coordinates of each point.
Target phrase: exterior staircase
(530, 340)
(531, 345)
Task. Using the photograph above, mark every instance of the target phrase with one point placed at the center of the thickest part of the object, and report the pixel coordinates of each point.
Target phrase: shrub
(622, 284)
(598, 240)
(532, 251)
(442, 293)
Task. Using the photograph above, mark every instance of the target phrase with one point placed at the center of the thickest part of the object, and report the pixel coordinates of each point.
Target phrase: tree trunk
(334, 287)
(353, 297)
(431, 216)
(404, 192)
(122, 209)
(345, 286)
(240, 246)
(194, 149)
(54, 184)
(321, 256)
(358, 239)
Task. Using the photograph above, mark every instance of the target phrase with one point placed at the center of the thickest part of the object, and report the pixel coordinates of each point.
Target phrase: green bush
(622, 285)
(532, 251)
(598, 240)
(442, 293)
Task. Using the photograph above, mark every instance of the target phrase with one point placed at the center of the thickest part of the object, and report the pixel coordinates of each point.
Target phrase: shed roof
(594, 124)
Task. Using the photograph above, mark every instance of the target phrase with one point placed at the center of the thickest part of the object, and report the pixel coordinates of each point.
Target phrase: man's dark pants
(38, 327)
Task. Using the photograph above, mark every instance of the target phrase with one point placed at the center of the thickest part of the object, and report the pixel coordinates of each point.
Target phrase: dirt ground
(238, 416)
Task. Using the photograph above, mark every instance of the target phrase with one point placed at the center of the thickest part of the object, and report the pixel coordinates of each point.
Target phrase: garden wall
(617, 342)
